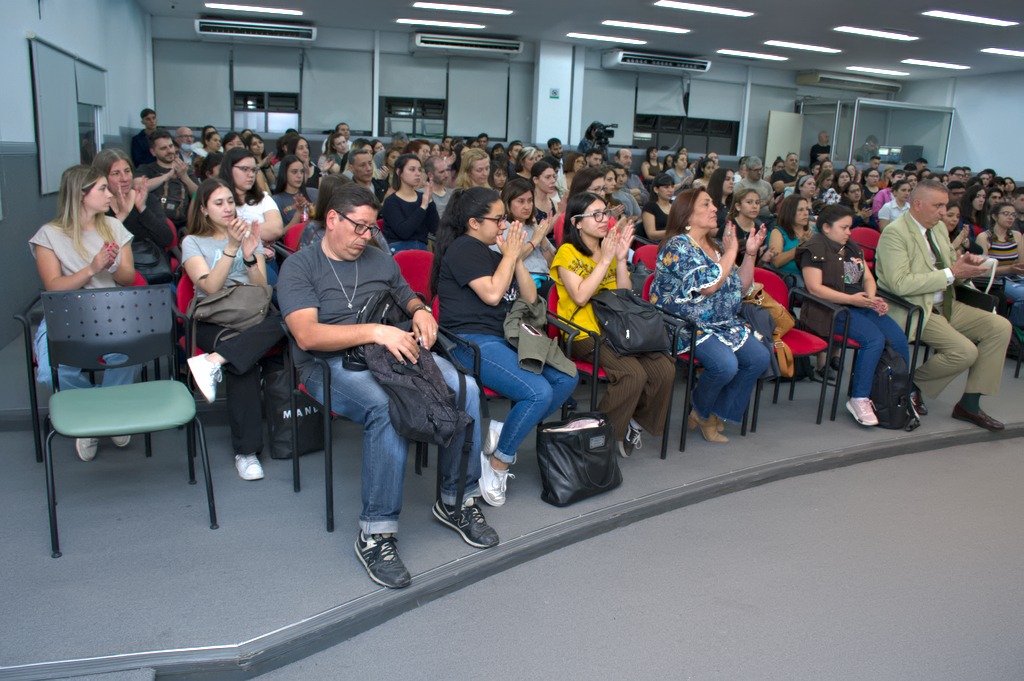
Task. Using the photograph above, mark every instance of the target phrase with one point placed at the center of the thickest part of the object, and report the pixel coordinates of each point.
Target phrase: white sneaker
(862, 410)
(248, 467)
(492, 481)
(206, 374)
(491, 439)
(121, 440)
(86, 447)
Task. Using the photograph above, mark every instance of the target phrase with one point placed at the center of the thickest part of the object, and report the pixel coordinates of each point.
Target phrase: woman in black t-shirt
(476, 288)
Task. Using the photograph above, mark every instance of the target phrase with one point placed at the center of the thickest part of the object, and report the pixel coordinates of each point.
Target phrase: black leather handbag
(629, 324)
(577, 458)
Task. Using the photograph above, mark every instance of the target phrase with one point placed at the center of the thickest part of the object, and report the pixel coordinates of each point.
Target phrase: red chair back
(553, 309)
(647, 254)
(559, 229)
(647, 287)
(139, 280)
(174, 233)
(415, 267)
(186, 292)
(867, 239)
(773, 285)
(293, 235)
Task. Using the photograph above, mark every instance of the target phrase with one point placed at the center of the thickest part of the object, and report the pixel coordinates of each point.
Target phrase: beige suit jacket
(903, 265)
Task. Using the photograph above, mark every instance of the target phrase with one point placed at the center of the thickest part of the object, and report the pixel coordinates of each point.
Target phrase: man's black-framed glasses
(362, 228)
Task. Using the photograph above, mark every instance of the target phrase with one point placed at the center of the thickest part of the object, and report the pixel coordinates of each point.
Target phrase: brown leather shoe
(918, 402)
(980, 419)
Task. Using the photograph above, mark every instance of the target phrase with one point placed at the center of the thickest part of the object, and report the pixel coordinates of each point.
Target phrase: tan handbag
(784, 321)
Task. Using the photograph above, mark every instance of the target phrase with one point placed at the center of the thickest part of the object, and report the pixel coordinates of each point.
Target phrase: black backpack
(422, 406)
(890, 392)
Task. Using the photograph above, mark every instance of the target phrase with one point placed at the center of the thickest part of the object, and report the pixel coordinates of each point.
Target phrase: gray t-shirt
(72, 261)
(212, 250)
(763, 189)
(310, 280)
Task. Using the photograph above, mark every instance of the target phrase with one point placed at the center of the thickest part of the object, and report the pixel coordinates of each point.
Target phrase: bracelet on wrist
(230, 255)
(250, 263)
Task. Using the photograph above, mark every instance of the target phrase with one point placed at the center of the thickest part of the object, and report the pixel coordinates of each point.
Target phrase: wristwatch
(422, 306)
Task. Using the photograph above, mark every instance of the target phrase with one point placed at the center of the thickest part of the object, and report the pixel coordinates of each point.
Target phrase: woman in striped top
(1001, 241)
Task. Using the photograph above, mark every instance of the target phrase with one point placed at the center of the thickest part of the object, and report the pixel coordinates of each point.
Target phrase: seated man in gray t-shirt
(321, 290)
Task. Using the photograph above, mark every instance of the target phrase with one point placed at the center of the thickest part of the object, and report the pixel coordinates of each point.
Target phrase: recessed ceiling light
(460, 8)
(707, 9)
(935, 64)
(439, 24)
(1005, 53)
(881, 72)
(801, 46)
(888, 35)
(605, 38)
(644, 27)
(969, 18)
(752, 55)
(252, 8)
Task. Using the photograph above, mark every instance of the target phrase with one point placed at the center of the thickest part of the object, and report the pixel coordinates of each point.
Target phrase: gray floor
(141, 570)
(905, 568)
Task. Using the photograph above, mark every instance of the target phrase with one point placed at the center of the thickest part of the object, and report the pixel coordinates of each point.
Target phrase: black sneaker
(470, 523)
(379, 555)
(632, 441)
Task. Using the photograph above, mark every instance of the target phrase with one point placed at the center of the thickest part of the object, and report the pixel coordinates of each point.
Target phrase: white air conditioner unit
(231, 30)
(842, 81)
(436, 45)
(653, 63)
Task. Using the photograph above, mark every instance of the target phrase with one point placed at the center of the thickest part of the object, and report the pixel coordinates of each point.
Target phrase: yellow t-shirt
(571, 259)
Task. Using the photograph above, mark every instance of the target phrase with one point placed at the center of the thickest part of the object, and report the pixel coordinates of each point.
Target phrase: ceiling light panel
(752, 55)
(881, 72)
(253, 8)
(707, 9)
(935, 64)
(605, 38)
(438, 24)
(801, 46)
(461, 8)
(969, 18)
(1005, 53)
(872, 33)
(644, 27)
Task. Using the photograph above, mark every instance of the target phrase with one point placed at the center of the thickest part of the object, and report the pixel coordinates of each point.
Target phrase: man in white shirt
(185, 139)
(915, 260)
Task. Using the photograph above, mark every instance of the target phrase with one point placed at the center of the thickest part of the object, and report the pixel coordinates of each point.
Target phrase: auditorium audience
(409, 214)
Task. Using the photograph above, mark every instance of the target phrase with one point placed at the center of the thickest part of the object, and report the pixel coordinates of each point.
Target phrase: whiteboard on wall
(337, 86)
(192, 82)
(784, 130)
(477, 97)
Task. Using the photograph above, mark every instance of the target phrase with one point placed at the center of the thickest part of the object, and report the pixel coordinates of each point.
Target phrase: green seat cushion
(122, 410)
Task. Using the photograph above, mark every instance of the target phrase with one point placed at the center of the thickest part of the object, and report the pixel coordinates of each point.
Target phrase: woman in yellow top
(592, 258)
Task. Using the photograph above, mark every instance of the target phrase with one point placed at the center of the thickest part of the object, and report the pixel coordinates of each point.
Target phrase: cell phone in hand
(528, 328)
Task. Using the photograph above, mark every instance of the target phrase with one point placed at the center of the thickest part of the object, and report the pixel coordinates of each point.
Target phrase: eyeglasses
(497, 220)
(250, 170)
(599, 216)
(362, 228)
(185, 137)
(1008, 213)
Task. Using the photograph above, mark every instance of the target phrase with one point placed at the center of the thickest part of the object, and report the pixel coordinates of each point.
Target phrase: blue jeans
(534, 396)
(357, 396)
(871, 331)
(728, 378)
(73, 377)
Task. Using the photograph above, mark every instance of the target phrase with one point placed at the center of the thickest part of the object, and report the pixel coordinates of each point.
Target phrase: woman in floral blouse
(696, 278)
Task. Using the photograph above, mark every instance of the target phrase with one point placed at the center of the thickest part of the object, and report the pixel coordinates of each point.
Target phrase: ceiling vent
(842, 81)
(229, 29)
(653, 63)
(435, 45)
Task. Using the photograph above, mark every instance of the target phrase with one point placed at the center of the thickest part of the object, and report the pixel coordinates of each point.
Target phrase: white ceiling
(802, 21)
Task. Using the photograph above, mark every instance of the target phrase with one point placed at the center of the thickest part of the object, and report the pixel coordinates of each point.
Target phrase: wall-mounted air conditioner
(653, 63)
(232, 30)
(436, 45)
(842, 81)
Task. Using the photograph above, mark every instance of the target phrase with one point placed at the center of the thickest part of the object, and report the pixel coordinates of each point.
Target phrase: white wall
(87, 29)
(986, 123)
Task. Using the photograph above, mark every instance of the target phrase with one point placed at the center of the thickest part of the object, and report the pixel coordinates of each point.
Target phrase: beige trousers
(972, 340)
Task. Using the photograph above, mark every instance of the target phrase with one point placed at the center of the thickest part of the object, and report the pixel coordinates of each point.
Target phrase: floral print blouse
(683, 269)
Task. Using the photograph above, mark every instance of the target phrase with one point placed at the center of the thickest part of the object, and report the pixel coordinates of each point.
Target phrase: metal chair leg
(328, 469)
(205, 457)
(51, 496)
(190, 444)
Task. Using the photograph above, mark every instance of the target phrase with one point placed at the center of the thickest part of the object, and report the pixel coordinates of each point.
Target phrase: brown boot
(719, 423)
(708, 428)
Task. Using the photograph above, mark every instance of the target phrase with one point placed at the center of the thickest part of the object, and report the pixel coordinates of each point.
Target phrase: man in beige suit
(915, 260)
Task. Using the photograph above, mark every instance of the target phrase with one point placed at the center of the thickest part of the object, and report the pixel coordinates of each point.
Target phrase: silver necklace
(355, 288)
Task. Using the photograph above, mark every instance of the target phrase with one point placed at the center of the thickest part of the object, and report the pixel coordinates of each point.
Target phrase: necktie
(940, 263)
